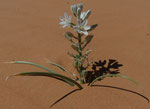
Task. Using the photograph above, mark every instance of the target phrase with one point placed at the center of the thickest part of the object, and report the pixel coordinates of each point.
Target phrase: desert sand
(30, 31)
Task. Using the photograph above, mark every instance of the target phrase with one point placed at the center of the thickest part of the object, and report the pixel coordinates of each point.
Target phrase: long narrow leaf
(34, 64)
(37, 65)
(87, 40)
(60, 67)
(69, 81)
(113, 75)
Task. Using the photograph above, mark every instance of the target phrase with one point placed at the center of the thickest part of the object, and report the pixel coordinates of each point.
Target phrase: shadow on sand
(98, 69)
(127, 90)
(64, 97)
(106, 86)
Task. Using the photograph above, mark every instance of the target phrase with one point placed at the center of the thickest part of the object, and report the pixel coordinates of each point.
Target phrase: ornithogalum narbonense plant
(79, 38)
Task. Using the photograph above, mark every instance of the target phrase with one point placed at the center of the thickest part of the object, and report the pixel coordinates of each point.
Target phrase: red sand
(30, 31)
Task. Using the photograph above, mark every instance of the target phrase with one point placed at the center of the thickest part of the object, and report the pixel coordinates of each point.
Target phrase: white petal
(62, 23)
(82, 16)
(64, 26)
(84, 23)
(87, 14)
(87, 28)
(85, 33)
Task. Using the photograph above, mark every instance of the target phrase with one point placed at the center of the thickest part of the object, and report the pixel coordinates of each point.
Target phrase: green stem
(79, 42)
(80, 54)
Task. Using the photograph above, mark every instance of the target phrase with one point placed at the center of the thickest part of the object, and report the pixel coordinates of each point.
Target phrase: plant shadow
(98, 69)
(123, 89)
(106, 86)
(101, 68)
(60, 99)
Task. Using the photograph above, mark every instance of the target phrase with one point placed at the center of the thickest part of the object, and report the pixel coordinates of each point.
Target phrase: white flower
(65, 21)
(85, 15)
(82, 28)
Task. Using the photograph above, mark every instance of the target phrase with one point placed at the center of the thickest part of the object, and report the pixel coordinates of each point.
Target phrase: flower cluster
(81, 17)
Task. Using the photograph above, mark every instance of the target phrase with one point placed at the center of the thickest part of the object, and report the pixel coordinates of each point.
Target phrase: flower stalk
(82, 29)
(81, 64)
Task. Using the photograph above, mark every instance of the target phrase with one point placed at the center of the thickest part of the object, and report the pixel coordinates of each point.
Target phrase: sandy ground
(30, 31)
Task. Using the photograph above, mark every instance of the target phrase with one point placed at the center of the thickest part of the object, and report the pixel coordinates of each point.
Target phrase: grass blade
(59, 67)
(37, 65)
(113, 75)
(54, 75)
(34, 64)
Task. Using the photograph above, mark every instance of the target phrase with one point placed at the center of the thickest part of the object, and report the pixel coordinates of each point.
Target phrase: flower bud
(93, 27)
(76, 9)
(87, 14)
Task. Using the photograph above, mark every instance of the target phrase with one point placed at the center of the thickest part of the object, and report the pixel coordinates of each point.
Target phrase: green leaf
(60, 67)
(72, 55)
(83, 72)
(34, 64)
(87, 14)
(48, 74)
(87, 53)
(113, 75)
(76, 63)
(37, 65)
(87, 40)
(69, 36)
(88, 64)
(93, 27)
(75, 47)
